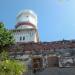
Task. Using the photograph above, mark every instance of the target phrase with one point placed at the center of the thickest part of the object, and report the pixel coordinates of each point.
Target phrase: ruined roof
(42, 45)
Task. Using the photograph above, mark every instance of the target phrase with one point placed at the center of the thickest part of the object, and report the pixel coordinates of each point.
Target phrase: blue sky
(56, 18)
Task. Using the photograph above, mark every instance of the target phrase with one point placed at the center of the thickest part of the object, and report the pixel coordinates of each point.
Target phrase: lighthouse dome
(26, 19)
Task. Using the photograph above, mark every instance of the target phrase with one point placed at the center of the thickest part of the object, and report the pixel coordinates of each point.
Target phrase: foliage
(4, 55)
(6, 37)
(7, 66)
(11, 67)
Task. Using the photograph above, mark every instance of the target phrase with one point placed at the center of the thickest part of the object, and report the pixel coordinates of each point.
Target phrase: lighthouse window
(31, 34)
(20, 38)
(23, 37)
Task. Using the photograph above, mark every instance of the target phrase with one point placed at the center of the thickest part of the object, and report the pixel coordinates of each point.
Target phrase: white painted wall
(24, 27)
(29, 36)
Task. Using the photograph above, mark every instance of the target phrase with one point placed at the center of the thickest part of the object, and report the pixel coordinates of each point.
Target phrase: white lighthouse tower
(26, 27)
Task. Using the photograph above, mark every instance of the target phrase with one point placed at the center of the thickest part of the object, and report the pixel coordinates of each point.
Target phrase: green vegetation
(6, 37)
(11, 67)
(8, 66)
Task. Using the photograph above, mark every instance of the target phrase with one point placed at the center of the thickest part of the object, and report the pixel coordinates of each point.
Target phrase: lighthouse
(26, 27)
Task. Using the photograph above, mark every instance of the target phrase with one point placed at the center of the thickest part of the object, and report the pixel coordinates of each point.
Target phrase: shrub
(12, 67)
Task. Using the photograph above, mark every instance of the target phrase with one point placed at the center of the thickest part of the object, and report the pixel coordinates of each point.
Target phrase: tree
(8, 66)
(6, 37)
